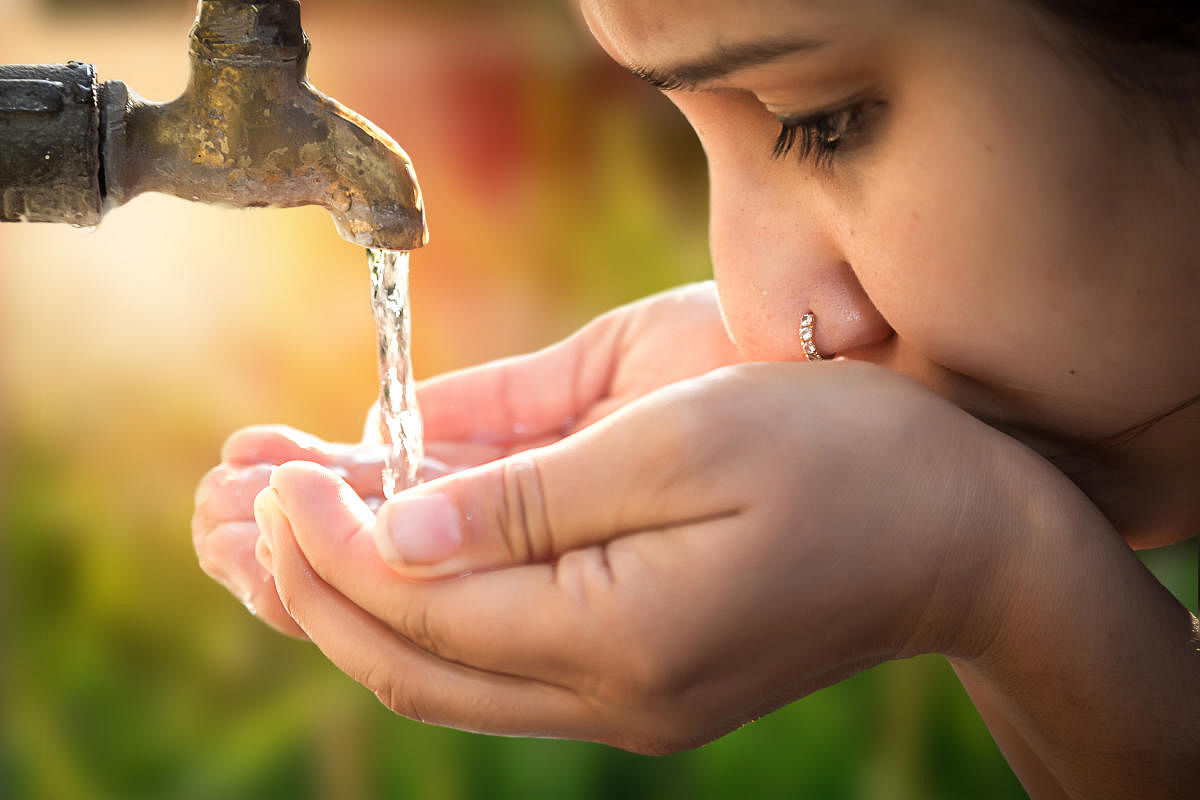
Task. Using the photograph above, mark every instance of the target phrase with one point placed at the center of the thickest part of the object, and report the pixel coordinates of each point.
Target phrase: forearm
(1025, 762)
(1096, 666)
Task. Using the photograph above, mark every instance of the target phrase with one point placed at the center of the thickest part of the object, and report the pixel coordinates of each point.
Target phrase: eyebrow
(723, 60)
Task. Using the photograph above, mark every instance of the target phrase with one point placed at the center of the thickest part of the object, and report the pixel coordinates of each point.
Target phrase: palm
(478, 415)
(671, 338)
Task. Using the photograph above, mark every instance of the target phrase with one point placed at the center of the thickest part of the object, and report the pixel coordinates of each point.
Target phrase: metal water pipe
(248, 131)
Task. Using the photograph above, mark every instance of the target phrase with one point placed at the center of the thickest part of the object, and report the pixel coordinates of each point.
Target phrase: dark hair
(1150, 48)
(1156, 23)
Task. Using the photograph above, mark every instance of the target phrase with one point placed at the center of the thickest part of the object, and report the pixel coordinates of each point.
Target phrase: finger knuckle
(639, 678)
(585, 575)
(651, 676)
(691, 431)
(392, 690)
(686, 425)
(523, 516)
(420, 628)
(702, 422)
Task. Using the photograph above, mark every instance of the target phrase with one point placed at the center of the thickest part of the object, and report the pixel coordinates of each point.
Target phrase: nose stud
(807, 322)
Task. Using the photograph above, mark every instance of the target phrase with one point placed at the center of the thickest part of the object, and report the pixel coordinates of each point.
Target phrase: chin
(1145, 508)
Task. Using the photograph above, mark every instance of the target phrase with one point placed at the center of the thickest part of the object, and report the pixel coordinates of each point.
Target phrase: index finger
(513, 621)
(412, 681)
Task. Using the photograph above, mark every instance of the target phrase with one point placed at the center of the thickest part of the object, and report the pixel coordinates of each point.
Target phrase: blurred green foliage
(114, 689)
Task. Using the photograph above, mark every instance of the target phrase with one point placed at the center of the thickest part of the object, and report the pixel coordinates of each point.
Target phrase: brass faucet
(249, 131)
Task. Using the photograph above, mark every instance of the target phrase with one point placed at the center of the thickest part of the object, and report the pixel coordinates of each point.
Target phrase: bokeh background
(557, 187)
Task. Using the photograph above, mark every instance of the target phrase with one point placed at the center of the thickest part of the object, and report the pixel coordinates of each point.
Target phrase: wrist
(1000, 559)
(1089, 659)
(1052, 538)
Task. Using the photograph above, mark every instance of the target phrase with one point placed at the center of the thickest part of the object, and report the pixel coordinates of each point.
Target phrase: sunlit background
(557, 186)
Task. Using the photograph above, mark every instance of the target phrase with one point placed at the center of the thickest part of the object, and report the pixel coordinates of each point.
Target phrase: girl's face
(965, 200)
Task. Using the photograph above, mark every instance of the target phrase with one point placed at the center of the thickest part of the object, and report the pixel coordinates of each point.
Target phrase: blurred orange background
(557, 186)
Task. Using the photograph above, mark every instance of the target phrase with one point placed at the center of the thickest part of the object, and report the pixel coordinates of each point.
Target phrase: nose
(780, 239)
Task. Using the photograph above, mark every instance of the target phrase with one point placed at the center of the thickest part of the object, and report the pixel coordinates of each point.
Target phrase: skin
(989, 242)
(918, 249)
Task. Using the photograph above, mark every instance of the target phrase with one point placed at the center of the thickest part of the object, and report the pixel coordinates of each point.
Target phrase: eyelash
(820, 135)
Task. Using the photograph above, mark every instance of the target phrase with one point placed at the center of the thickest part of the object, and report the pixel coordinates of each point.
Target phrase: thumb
(646, 467)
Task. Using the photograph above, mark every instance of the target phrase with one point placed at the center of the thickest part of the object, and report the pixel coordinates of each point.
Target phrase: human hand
(709, 553)
(480, 414)
(223, 528)
(471, 417)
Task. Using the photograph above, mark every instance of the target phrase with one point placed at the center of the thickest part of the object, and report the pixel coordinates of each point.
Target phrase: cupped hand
(223, 528)
(484, 413)
(471, 417)
(707, 554)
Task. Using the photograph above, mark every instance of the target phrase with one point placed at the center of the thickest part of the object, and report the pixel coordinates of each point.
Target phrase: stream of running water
(399, 417)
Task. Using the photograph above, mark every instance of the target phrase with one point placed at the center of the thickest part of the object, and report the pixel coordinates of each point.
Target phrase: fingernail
(422, 530)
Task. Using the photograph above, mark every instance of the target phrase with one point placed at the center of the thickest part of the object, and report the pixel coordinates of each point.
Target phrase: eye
(822, 134)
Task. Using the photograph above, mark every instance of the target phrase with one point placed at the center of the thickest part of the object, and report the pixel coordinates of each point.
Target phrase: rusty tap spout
(250, 131)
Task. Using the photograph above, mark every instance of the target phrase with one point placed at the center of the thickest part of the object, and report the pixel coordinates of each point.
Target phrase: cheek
(966, 246)
(947, 256)
(987, 240)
